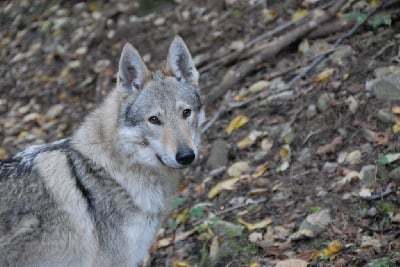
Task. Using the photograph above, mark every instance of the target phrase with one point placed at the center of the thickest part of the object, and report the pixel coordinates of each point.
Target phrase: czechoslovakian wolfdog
(96, 199)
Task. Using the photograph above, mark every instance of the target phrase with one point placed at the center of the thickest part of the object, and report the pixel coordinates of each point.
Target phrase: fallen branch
(335, 45)
(234, 75)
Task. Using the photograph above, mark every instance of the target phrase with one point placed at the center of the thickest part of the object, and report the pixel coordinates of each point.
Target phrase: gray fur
(96, 199)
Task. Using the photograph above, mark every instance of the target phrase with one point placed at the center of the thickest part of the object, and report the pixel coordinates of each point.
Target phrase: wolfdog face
(161, 113)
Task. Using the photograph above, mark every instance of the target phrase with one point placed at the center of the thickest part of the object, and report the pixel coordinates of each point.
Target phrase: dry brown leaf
(331, 147)
(250, 139)
(3, 153)
(167, 241)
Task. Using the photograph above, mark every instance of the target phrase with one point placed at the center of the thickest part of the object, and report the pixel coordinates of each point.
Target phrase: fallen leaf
(285, 153)
(260, 170)
(324, 75)
(333, 248)
(181, 264)
(165, 242)
(250, 139)
(331, 147)
(353, 157)
(299, 14)
(228, 184)
(304, 46)
(3, 153)
(238, 168)
(396, 110)
(266, 144)
(258, 225)
(214, 249)
(309, 255)
(283, 167)
(236, 123)
(388, 158)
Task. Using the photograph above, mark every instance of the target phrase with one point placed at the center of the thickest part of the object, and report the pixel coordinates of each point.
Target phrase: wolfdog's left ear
(132, 72)
(180, 62)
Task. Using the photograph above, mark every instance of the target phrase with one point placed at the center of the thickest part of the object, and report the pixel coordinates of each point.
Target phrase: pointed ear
(180, 62)
(132, 71)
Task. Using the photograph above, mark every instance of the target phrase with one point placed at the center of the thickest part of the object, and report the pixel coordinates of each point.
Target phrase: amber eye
(186, 113)
(154, 120)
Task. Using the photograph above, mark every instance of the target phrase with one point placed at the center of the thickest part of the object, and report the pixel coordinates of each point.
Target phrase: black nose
(185, 157)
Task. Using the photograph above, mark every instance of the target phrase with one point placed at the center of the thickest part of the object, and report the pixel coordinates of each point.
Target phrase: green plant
(178, 202)
(315, 209)
(373, 22)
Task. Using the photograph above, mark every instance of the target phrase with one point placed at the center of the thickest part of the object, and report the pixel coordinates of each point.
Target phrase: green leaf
(196, 212)
(379, 20)
(388, 158)
(355, 16)
(178, 202)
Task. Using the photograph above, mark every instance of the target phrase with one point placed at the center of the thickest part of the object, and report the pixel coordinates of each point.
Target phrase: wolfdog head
(161, 113)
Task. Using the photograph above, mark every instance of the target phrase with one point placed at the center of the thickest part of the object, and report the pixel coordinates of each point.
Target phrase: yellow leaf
(167, 241)
(324, 75)
(236, 123)
(3, 153)
(285, 153)
(299, 14)
(257, 191)
(181, 264)
(261, 170)
(254, 264)
(304, 46)
(228, 184)
(333, 248)
(373, 3)
(250, 139)
(258, 225)
(238, 168)
(396, 128)
(283, 167)
(396, 109)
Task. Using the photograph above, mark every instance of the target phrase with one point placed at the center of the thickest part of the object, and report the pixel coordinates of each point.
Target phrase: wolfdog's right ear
(132, 72)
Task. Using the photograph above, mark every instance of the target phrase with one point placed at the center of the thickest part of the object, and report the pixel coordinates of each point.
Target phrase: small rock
(368, 176)
(323, 102)
(236, 45)
(386, 116)
(305, 156)
(371, 212)
(316, 222)
(255, 237)
(159, 21)
(218, 155)
(396, 218)
(3, 106)
(329, 167)
(365, 193)
(385, 88)
(223, 228)
(292, 263)
(341, 53)
(395, 174)
(311, 111)
(368, 134)
(55, 110)
(352, 103)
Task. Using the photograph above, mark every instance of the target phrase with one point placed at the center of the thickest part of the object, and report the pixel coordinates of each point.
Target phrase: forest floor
(307, 171)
